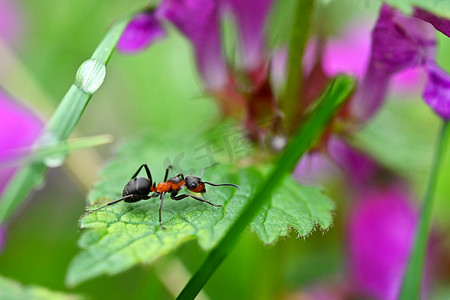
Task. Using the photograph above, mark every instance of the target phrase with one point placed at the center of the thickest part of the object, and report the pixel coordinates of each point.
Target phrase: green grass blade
(337, 92)
(88, 79)
(412, 281)
(42, 153)
(290, 102)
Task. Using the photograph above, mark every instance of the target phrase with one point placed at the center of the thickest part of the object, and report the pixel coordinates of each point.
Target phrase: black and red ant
(139, 188)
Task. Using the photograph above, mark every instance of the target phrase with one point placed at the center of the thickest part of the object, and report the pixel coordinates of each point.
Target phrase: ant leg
(210, 166)
(146, 170)
(108, 204)
(160, 208)
(135, 198)
(167, 173)
(181, 197)
(149, 175)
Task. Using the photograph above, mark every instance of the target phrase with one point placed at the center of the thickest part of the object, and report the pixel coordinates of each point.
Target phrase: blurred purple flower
(441, 24)
(437, 90)
(19, 129)
(398, 43)
(380, 233)
(250, 17)
(348, 53)
(142, 31)
(357, 166)
(315, 167)
(199, 21)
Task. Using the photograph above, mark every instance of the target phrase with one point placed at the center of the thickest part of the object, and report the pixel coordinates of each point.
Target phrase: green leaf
(124, 234)
(293, 206)
(13, 290)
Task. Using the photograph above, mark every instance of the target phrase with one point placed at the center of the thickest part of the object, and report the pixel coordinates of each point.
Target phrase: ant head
(195, 184)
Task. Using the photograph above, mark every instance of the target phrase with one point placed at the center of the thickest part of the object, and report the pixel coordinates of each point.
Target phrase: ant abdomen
(137, 186)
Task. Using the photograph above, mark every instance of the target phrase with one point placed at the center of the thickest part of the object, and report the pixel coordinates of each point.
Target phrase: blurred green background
(159, 91)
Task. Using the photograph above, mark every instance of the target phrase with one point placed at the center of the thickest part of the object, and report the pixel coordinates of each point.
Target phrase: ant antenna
(222, 184)
(214, 184)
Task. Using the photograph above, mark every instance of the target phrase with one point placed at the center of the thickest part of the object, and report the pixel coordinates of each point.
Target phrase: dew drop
(90, 76)
(53, 160)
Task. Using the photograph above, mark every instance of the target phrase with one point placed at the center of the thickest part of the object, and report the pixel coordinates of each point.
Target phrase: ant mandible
(139, 188)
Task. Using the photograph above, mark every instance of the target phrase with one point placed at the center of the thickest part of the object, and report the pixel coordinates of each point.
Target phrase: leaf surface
(13, 290)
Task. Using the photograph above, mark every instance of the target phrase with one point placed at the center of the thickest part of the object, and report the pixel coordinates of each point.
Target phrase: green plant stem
(412, 281)
(89, 78)
(290, 103)
(337, 92)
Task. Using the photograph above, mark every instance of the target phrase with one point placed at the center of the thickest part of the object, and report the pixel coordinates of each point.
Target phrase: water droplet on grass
(90, 76)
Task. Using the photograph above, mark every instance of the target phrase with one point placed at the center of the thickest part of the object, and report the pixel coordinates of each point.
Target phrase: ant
(139, 188)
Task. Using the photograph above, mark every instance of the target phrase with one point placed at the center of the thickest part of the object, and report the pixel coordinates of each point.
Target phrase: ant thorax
(175, 179)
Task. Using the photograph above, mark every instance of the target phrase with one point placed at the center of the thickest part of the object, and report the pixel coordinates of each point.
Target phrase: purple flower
(199, 21)
(380, 235)
(19, 129)
(358, 167)
(348, 53)
(398, 43)
(142, 31)
(441, 24)
(250, 17)
(437, 90)
(315, 167)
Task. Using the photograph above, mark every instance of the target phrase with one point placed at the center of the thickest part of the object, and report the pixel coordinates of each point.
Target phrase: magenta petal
(314, 168)
(441, 24)
(19, 129)
(358, 167)
(381, 233)
(437, 90)
(398, 42)
(250, 17)
(370, 95)
(349, 53)
(199, 21)
(143, 30)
